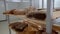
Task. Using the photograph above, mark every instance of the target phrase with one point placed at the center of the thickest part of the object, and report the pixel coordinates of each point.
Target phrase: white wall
(35, 3)
(17, 5)
(56, 3)
(11, 5)
(21, 5)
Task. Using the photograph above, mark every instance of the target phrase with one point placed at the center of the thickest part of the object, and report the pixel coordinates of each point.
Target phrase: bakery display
(30, 28)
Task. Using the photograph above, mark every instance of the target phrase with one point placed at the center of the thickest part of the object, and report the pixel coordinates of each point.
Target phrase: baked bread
(19, 12)
(9, 11)
(18, 26)
(37, 15)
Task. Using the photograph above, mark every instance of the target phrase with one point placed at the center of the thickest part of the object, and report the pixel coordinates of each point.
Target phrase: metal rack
(49, 15)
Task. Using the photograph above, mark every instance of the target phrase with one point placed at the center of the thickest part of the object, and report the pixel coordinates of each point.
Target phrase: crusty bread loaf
(37, 15)
(19, 12)
(11, 11)
(18, 26)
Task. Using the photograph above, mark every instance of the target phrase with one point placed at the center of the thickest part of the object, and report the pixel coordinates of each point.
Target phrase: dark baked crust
(37, 15)
(17, 26)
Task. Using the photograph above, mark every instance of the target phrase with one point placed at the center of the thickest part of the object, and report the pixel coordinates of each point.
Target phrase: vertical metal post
(5, 7)
(42, 4)
(5, 10)
(49, 16)
(7, 16)
(38, 4)
(9, 23)
(53, 3)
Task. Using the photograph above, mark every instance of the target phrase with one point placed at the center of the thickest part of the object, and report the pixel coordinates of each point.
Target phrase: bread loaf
(19, 12)
(37, 15)
(9, 11)
(18, 26)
